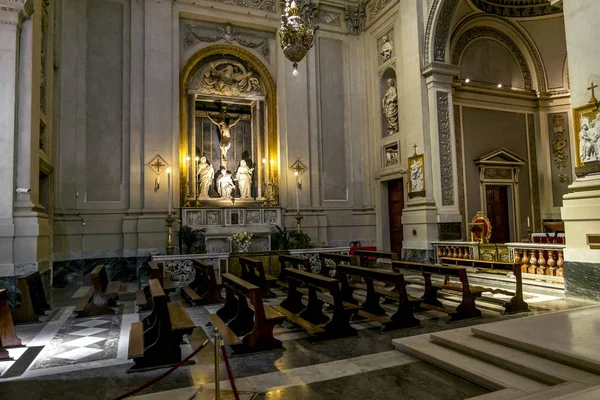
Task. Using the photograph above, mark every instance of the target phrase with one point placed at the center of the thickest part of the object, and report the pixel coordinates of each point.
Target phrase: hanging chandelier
(297, 32)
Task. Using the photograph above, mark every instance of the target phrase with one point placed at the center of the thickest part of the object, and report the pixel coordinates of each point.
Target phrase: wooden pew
(516, 304)
(253, 271)
(335, 259)
(246, 327)
(155, 341)
(102, 296)
(370, 308)
(8, 334)
(302, 264)
(367, 258)
(154, 272)
(204, 289)
(311, 316)
(33, 299)
(466, 309)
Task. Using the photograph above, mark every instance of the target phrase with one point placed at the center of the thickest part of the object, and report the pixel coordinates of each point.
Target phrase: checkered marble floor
(82, 340)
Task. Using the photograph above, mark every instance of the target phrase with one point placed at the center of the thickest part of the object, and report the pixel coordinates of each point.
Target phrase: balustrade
(538, 259)
(465, 250)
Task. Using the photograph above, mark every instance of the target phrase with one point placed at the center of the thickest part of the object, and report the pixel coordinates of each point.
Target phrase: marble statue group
(225, 183)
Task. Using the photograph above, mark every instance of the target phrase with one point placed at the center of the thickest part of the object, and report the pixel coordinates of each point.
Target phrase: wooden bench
(302, 264)
(311, 316)
(253, 271)
(155, 341)
(33, 299)
(246, 327)
(370, 308)
(327, 259)
(516, 304)
(466, 309)
(154, 272)
(368, 258)
(204, 289)
(101, 297)
(8, 334)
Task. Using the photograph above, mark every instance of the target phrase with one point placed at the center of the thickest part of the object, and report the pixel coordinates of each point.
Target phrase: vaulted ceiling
(517, 8)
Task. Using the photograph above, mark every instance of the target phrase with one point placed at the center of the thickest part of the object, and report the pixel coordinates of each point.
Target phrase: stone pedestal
(581, 214)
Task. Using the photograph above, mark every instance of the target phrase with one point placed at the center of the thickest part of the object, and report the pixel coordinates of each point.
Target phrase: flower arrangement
(241, 241)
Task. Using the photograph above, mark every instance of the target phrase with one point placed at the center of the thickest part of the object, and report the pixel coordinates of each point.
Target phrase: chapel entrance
(396, 205)
(498, 211)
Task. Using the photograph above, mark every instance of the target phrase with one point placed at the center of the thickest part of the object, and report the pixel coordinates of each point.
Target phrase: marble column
(581, 207)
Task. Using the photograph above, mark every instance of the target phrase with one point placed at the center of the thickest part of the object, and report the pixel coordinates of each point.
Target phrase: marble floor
(69, 358)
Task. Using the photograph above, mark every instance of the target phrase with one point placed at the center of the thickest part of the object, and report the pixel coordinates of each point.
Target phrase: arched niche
(389, 102)
(488, 61)
(225, 83)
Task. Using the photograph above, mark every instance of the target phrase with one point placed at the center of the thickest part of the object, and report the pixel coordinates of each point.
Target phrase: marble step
(592, 393)
(527, 364)
(472, 369)
(556, 392)
(534, 341)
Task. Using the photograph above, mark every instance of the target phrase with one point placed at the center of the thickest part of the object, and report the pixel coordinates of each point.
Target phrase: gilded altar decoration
(480, 228)
(226, 77)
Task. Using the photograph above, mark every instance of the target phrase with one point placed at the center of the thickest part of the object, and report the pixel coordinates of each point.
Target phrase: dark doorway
(396, 204)
(496, 198)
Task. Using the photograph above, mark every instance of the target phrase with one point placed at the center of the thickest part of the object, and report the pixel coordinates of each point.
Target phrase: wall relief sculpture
(387, 48)
(229, 35)
(356, 18)
(264, 5)
(445, 146)
(226, 77)
(391, 155)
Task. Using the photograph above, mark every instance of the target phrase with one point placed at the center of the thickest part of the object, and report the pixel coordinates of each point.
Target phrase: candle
(188, 168)
(528, 223)
(297, 193)
(169, 190)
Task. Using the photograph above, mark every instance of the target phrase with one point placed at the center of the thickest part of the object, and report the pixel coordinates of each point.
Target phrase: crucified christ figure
(224, 129)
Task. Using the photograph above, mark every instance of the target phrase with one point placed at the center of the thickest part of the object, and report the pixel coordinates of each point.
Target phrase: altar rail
(455, 249)
(538, 258)
(181, 271)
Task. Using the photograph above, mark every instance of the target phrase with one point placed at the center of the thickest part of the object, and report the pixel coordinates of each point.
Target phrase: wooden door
(497, 211)
(396, 204)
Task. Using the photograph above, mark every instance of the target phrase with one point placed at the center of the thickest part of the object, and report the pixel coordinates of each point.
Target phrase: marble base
(14, 294)
(77, 272)
(582, 280)
(418, 255)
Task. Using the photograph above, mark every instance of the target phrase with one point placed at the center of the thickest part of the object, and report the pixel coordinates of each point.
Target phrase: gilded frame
(271, 102)
(589, 111)
(420, 159)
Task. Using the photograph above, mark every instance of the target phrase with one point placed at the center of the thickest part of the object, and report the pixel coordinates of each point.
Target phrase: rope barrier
(158, 378)
(229, 373)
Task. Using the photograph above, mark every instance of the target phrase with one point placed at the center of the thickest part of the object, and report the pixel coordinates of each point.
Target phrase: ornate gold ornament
(297, 32)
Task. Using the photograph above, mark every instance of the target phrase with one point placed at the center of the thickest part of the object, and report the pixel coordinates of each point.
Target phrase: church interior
(299, 199)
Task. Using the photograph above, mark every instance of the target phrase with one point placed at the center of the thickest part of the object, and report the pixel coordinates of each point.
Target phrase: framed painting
(416, 176)
(587, 134)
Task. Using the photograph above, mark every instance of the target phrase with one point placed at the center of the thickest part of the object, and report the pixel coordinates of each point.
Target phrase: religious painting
(391, 154)
(416, 176)
(587, 134)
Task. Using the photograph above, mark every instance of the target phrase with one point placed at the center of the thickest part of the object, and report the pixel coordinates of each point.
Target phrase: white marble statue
(389, 103)
(206, 174)
(387, 48)
(416, 176)
(587, 148)
(225, 133)
(243, 177)
(225, 185)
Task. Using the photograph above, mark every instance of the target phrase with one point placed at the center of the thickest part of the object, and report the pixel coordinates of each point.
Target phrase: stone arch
(437, 31)
(479, 33)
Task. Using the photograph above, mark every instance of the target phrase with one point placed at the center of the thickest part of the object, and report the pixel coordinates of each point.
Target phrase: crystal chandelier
(297, 32)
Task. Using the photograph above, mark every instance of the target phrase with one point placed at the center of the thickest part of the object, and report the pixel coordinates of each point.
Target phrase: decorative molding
(227, 34)
(443, 29)
(459, 162)
(377, 5)
(263, 5)
(561, 168)
(535, 188)
(485, 32)
(329, 18)
(445, 144)
(356, 18)
(517, 8)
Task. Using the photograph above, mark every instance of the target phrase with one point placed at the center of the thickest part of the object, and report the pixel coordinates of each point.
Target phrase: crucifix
(225, 133)
(415, 149)
(158, 165)
(593, 98)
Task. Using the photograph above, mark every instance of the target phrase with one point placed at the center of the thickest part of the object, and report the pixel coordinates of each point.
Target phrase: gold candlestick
(298, 221)
(170, 219)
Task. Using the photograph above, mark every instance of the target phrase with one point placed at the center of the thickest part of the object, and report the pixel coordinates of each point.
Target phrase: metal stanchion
(217, 347)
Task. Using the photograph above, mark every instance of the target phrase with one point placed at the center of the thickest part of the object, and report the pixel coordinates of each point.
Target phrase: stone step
(592, 393)
(556, 392)
(527, 364)
(477, 371)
